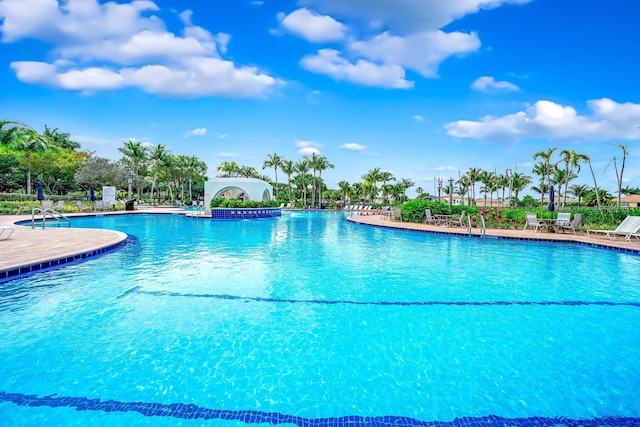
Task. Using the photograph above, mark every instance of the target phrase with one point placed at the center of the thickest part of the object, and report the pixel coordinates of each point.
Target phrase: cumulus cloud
(488, 84)
(307, 148)
(312, 26)
(547, 119)
(110, 46)
(352, 146)
(196, 132)
(331, 63)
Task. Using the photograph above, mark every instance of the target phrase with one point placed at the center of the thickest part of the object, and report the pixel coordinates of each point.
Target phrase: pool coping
(620, 245)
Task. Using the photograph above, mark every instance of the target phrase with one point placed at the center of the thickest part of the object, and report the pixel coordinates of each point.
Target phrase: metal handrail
(57, 216)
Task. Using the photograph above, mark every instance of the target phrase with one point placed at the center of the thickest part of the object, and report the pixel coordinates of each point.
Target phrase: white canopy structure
(237, 188)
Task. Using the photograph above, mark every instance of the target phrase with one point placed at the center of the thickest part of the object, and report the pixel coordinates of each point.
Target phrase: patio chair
(627, 228)
(533, 221)
(571, 225)
(6, 232)
(397, 214)
(60, 205)
(429, 217)
(99, 206)
(460, 221)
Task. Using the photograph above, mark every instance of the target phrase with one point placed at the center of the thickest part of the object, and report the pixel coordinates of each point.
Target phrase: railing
(56, 218)
(483, 230)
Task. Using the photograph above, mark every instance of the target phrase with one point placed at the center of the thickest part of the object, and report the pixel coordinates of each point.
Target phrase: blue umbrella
(40, 195)
(92, 195)
(551, 207)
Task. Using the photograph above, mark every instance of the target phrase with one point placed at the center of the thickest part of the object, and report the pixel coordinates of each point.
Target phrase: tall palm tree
(156, 155)
(345, 187)
(135, 154)
(405, 184)
(9, 130)
(543, 170)
(322, 164)
(372, 177)
(587, 159)
(30, 141)
(519, 182)
(288, 167)
(195, 169)
(384, 178)
(546, 159)
(273, 161)
(474, 175)
(302, 167)
(571, 159)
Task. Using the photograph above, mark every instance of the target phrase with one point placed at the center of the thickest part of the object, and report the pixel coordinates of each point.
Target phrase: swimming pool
(311, 320)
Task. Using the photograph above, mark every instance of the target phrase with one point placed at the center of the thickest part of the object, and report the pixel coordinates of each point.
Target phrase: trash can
(128, 205)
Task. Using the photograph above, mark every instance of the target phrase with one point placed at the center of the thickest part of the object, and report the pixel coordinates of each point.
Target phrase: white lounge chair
(627, 228)
(460, 221)
(429, 217)
(533, 221)
(6, 232)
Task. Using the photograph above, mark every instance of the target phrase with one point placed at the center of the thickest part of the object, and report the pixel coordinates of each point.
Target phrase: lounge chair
(60, 205)
(533, 221)
(46, 204)
(6, 232)
(397, 214)
(99, 206)
(571, 225)
(627, 228)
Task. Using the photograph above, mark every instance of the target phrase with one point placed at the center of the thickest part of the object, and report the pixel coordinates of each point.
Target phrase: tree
(135, 154)
(97, 171)
(371, 179)
(625, 152)
(157, 154)
(273, 161)
(587, 159)
(405, 184)
(288, 167)
(61, 139)
(302, 167)
(9, 130)
(571, 159)
(228, 169)
(519, 182)
(546, 159)
(30, 141)
(322, 164)
(473, 175)
(345, 187)
(579, 191)
(384, 178)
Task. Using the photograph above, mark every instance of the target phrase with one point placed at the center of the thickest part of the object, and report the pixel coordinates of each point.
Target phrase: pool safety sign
(108, 195)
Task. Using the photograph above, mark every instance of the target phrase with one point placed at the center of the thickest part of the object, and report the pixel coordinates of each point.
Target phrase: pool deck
(32, 249)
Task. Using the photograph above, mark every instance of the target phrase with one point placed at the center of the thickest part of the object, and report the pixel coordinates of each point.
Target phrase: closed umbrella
(40, 194)
(551, 206)
(92, 195)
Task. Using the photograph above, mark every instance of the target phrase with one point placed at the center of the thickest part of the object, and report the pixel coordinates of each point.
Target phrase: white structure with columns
(237, 188)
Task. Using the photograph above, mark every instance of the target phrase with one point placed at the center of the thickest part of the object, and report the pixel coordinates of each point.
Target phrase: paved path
(28, 247)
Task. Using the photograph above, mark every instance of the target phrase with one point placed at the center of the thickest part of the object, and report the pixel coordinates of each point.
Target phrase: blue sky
(420, 88)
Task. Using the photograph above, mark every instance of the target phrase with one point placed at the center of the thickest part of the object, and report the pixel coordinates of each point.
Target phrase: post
(130, 181)
(450, 193)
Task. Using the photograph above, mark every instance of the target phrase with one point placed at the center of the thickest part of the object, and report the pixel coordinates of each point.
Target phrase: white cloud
(91, 42)
(488, 84)
(221, 137)
(546, 119)
(418, 118)
(420, 52)
(307, 148)
(329, 62)
(405, 16)
(352, 146)
(196, 132)
(312, 27)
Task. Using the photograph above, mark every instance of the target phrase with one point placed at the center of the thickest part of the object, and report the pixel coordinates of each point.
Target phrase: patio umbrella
(40, 195)
(92, 195)
(551, 206)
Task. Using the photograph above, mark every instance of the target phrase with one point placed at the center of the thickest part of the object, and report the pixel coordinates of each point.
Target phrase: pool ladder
(56, 218)
(483, 227)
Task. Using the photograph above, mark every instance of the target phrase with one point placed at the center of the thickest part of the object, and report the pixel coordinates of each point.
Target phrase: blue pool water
(311, 320)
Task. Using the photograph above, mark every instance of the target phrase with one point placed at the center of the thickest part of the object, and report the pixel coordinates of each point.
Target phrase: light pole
(130, 181)
(450, 193)
(439, 188)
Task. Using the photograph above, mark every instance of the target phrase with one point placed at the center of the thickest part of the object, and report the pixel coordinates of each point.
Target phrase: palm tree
(474, 175)
(384, 178)
(519, 182)
(135, 155)
(29, 141)
(9, 130)
(61, 139)
(322, 164)
(546, 159)
(358, 190)
(302, 167)
(288, 167)
(372, 177)
(273, 161)
(580, 191)
(587, 159)
(156, 155)
(405, 184)
(543, 170)
(228, 169)
(345, 187)
(571, 159)
(625, 152)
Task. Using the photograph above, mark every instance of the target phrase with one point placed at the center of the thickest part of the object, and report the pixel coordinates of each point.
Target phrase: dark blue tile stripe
(524, 239)
(191, 411)
(138, 290)
(28, 270)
